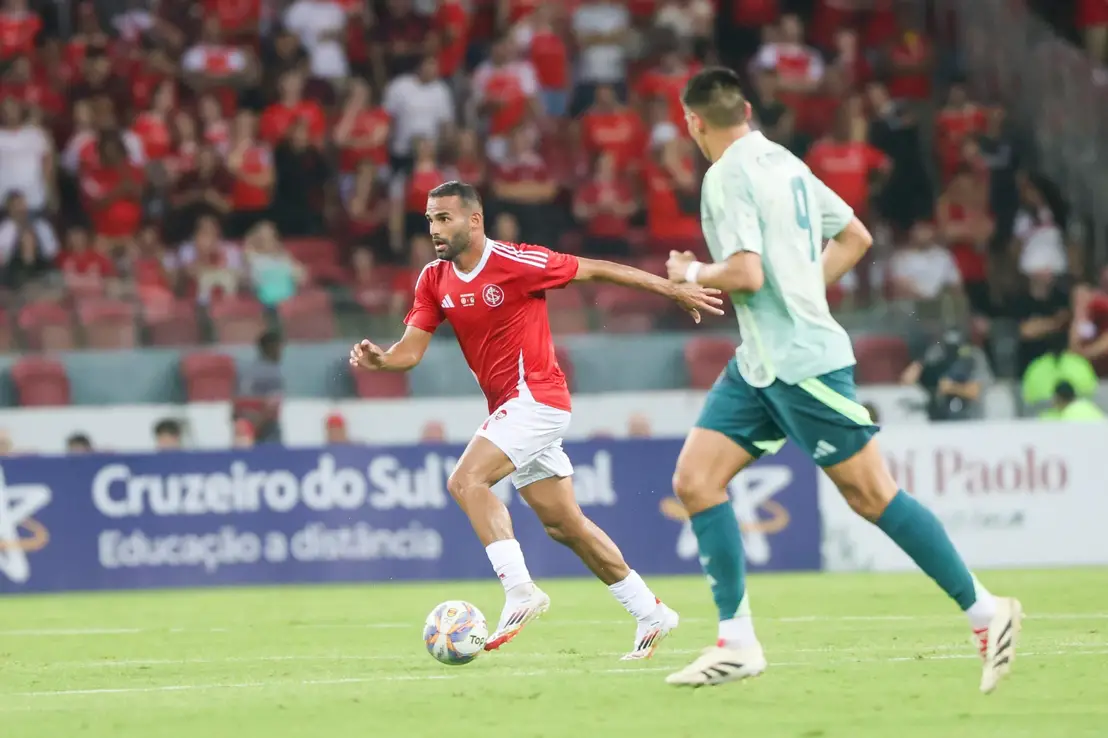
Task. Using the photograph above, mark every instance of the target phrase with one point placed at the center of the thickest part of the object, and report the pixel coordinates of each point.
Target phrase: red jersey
(845, 168)
(452, 23)
(620, 133)
(498, 312)
(278, 118)
(17, 33)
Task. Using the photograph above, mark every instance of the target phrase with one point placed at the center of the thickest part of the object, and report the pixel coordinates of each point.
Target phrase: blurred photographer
(948, 371)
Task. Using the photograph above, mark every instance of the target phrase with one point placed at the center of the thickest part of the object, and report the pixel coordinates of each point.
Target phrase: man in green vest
(1069, 407)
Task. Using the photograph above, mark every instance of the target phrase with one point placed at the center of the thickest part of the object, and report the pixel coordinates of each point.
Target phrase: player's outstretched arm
(402, 356)
(693, 298)
(845, 250)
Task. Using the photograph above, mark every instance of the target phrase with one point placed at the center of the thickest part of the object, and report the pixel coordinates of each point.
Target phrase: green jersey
(760, 198)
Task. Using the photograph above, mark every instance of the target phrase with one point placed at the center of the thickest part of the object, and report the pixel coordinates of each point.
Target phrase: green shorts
(821, 415)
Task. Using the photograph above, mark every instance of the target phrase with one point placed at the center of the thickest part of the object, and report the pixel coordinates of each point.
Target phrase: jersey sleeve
(542, 269)
(734, 213)
(835, 214)
(426, 313)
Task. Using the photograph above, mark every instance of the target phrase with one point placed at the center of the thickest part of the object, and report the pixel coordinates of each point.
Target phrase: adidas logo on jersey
(823, 448)
(447, 302)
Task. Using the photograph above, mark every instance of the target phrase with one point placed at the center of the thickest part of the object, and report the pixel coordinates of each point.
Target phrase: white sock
(634, 595)
(506, 558)
(981, 612)
(738, 632)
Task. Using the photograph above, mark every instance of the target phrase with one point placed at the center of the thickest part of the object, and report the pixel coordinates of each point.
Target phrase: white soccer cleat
(651, 632)
(719, 665)
(997, 643)
(517, 613)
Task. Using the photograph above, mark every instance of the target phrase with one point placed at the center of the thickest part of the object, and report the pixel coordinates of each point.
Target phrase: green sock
(721, 556)
(920, 535)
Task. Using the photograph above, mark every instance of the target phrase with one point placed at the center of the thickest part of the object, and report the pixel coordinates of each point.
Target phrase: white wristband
(693, 272)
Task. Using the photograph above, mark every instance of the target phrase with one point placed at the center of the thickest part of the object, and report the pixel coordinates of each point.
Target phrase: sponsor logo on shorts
(492, 295)
(500, 414)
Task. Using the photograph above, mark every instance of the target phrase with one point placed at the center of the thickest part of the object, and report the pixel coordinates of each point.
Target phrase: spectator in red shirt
(608, 127)
(250, 164)
(36, 93)
(152, 126)
(186, 145)
(216, 66)
(967, 226)
(799, 67)
(522, 184)
(849, 60)
(82, 264)
(215, 128)
(959, 119)
(238, 19)
(18, 29)
(409, 194)
(672, 194)
(452, 35)
(847, 163)
(667, 80)
(604, 206)
(361, 133)
(537, 35)
(367, 210)
(279, 117)
(911, 59)
(505, 93)
(113, 195)
(97, 83)
(469, 161)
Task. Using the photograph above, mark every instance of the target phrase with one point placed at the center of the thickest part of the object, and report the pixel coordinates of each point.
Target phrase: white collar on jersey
(470, 276)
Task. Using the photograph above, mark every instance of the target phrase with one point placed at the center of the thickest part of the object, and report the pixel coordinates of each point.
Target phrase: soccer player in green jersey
(765, 217)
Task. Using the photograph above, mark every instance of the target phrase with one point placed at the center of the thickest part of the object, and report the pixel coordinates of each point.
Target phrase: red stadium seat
(47, 326)
(624, 310)
(173, 323)
(308, 316)
(108, 324)
(208, 377)
(881, 359)
(40, 382)
(237, 319)
(379, 385)
(705, 358)
(565, 361)
(83, 286)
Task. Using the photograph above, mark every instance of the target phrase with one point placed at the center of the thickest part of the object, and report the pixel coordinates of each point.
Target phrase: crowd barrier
(1011, 494)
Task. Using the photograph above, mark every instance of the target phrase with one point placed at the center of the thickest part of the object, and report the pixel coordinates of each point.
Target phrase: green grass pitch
(851, 656)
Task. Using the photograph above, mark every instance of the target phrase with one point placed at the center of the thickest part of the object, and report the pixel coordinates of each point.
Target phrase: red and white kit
(498, 312)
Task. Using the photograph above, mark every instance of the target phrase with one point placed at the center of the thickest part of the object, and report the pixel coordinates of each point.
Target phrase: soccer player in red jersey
(493, 295)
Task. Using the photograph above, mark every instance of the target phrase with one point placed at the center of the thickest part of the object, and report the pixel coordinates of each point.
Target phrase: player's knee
(691, 486)
(459, 485)
(867, 500)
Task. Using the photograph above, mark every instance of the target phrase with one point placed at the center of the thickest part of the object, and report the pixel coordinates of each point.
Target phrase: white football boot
(518, 612)
(997, 643)
(651, 631)
(719, 665)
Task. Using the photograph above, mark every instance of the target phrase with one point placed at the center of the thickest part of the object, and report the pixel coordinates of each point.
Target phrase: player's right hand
(367, 355)
(695, 298)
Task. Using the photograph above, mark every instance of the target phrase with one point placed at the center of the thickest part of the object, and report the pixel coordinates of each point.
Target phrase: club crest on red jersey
(492, 295)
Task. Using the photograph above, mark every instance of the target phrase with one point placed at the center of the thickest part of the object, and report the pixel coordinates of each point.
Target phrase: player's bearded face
(451, 239)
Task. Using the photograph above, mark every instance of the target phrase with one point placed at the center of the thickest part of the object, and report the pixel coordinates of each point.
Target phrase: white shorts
(530, 435)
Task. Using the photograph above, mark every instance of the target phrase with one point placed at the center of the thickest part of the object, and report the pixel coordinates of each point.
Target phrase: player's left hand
(678, 265)
(695, 298)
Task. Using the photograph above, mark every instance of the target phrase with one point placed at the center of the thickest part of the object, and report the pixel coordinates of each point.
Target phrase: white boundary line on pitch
(928, 652)
(444, 677)
(414, 625)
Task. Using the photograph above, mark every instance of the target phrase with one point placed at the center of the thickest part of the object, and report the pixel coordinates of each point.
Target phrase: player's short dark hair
(716, 95)
(167, 427)
(78, 439)
(464, 191)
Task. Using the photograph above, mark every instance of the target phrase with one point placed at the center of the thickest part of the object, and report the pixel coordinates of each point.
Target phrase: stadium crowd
(172, 163)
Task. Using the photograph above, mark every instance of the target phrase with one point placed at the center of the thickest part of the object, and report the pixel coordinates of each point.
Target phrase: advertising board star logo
(20, 533)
